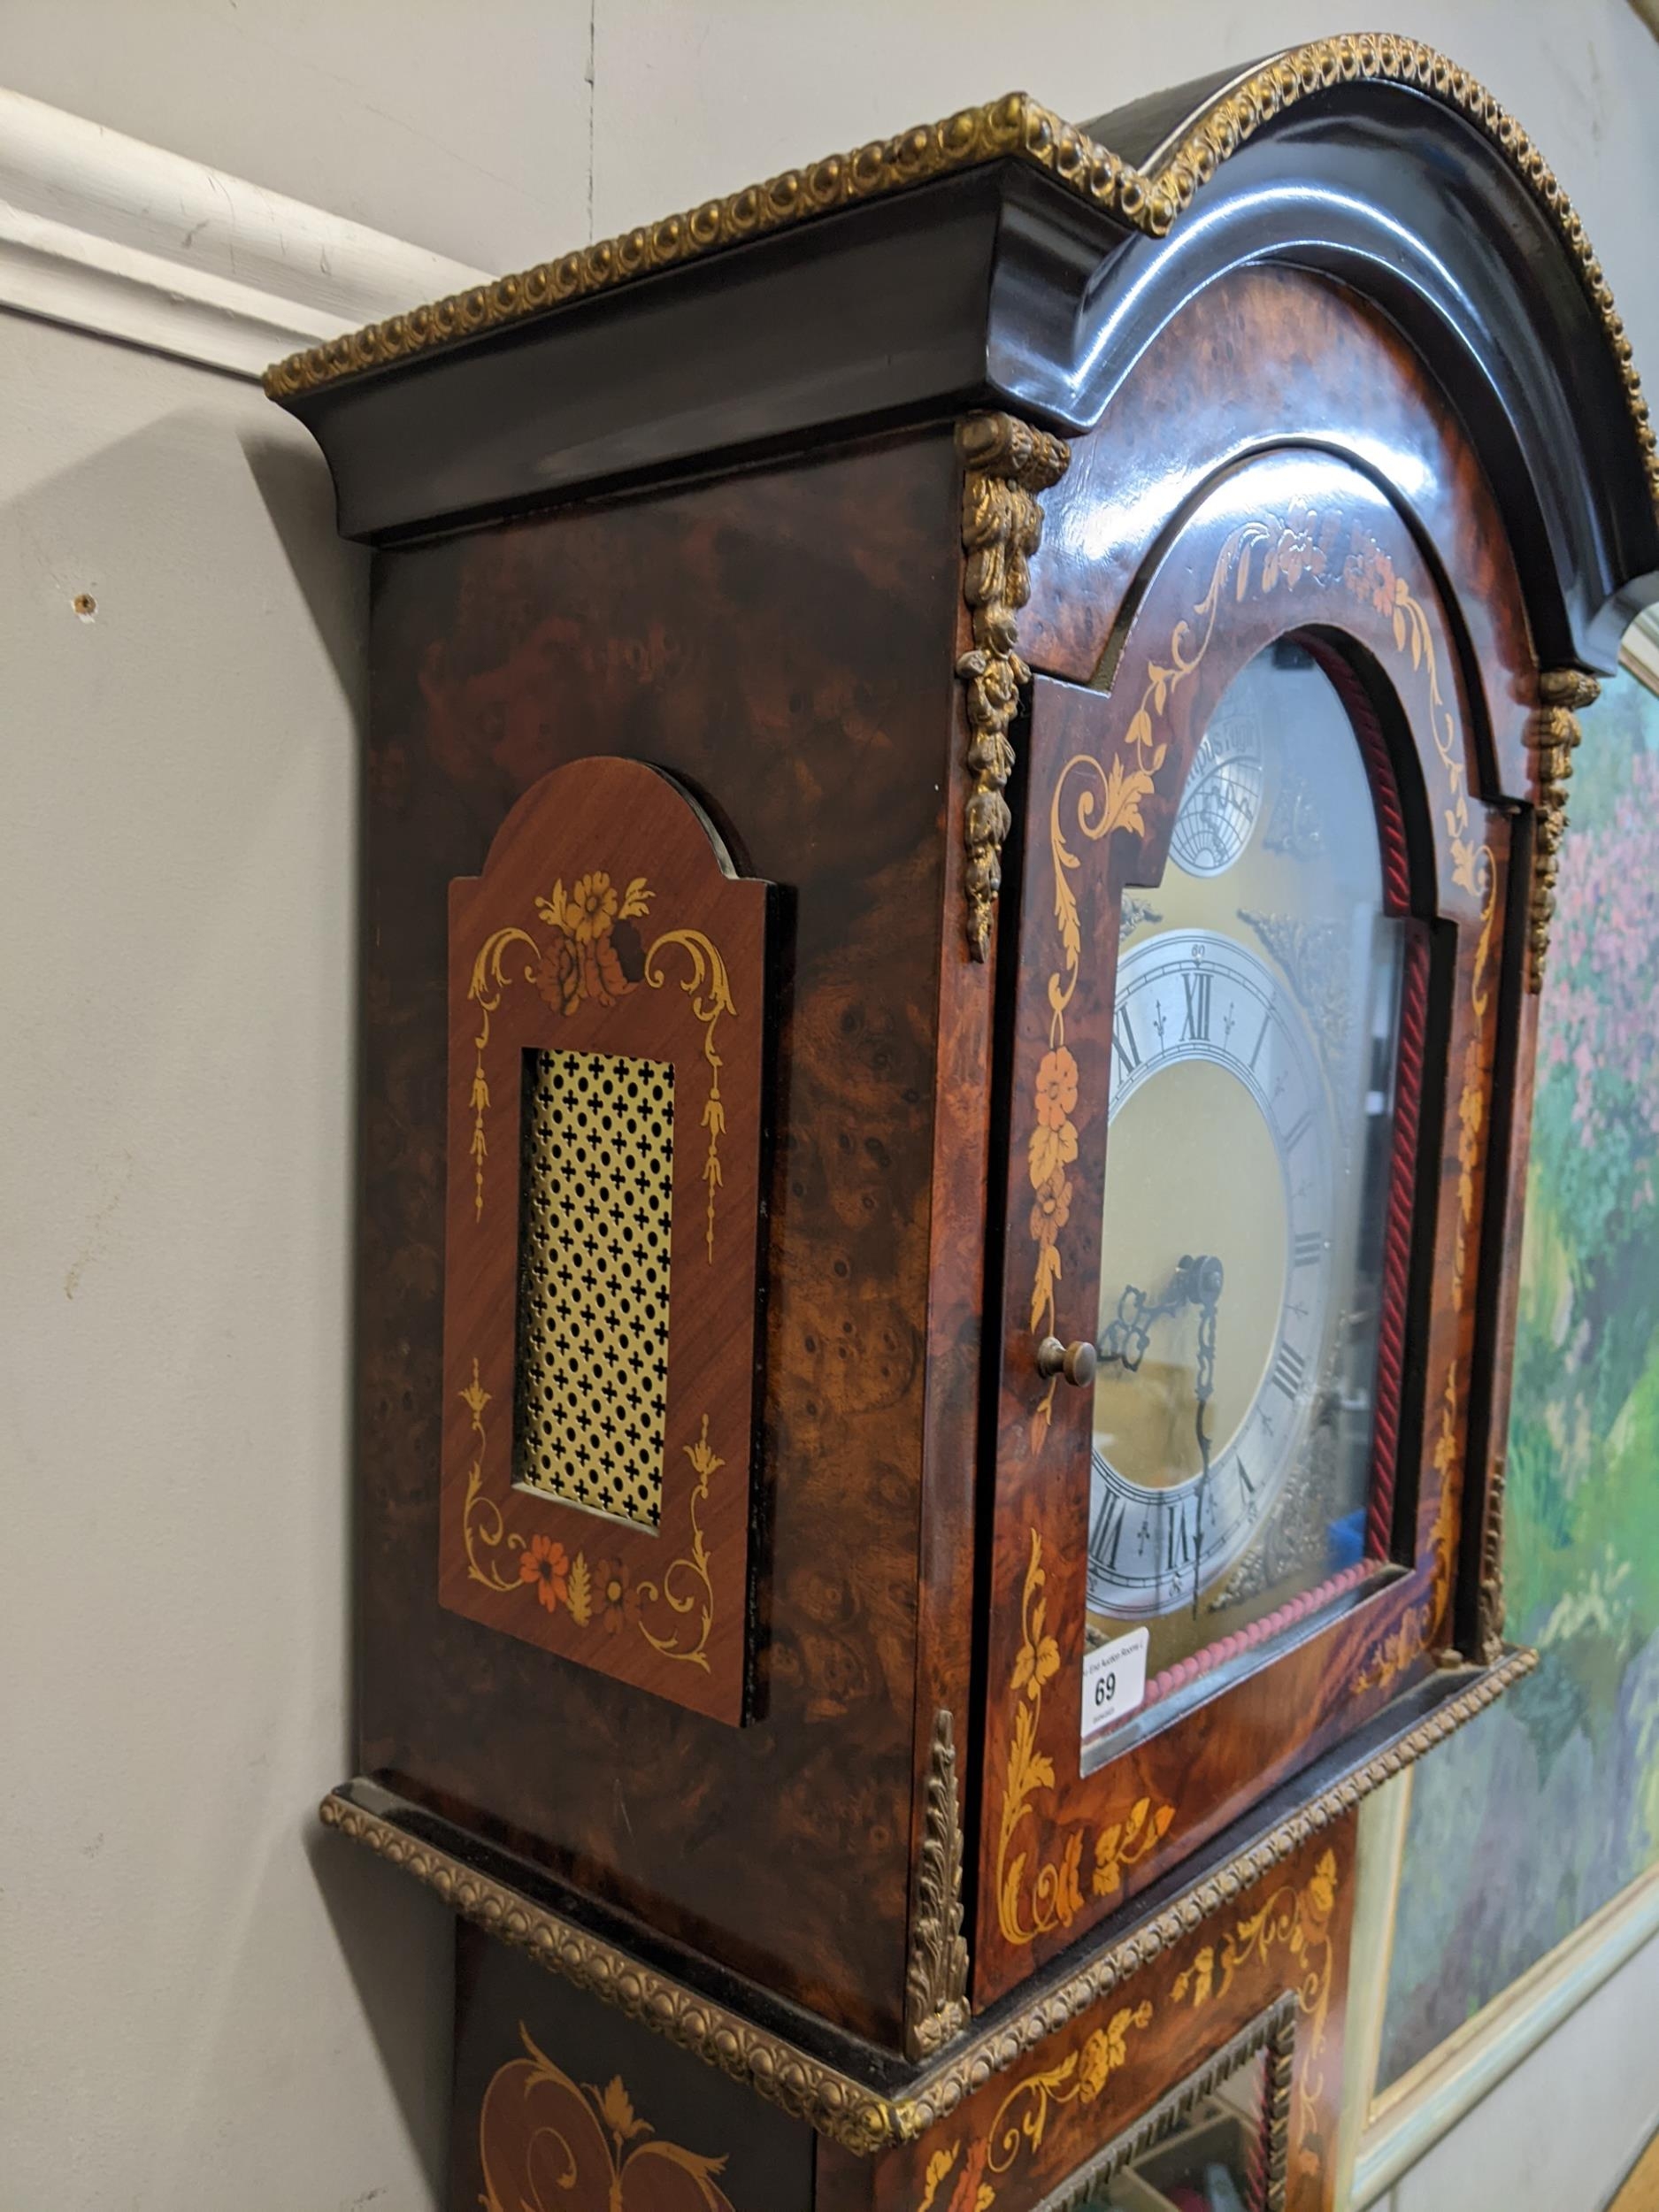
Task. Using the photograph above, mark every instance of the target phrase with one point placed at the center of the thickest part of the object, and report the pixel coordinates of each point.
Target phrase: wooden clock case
(857, 508)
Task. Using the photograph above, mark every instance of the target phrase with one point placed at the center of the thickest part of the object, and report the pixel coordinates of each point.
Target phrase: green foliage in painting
(1542, 1810)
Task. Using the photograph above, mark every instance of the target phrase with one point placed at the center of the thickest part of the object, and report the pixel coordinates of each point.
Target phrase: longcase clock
(968, 755)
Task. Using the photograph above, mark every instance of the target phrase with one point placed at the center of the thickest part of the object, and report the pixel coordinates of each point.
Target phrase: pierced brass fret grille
(598, 1155)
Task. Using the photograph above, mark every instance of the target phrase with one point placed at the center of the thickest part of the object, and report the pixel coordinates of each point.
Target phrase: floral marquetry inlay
(1295, 1922)
(674, 1615)
(1307, 555)
(1393, 1653)
(1092, 798)
(609, 1029)
(1053, 1896)
(598, 954)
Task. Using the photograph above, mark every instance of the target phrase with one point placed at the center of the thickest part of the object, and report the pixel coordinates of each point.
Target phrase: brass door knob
(1076, 1362)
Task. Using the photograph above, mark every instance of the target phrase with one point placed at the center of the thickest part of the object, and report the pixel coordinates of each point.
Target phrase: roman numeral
(1196, 1025)
(1289, 1367)
(1260, 1038)
(1294, 1137)
(1108, 1533)
(1180, 1542)
(1308, 1249)
(1124, 1041)
(1245, 1484)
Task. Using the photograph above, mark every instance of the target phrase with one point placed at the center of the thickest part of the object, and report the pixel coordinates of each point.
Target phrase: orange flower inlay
(1056, 1088)
(547, 1564)
(1053, 1209)
(592, 908)
(610, 1594)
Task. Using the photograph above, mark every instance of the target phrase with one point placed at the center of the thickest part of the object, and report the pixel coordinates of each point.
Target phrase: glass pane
(1212, 2162)
(1254, 1046)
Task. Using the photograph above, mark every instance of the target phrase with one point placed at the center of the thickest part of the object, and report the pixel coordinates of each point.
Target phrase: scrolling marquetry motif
(1259, 1969)
(1109, 797)
(1054, 1897)
(1273, 2035)
(542, 2140)
(1306, 554)
(1300, 548)
(1293, 1924)
(607, 936)
(969, 2170)
(598, 1594)
(583, 960)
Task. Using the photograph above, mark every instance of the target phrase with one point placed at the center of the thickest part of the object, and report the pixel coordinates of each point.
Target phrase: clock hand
(1197, 1281)
(1208, 1277)
(1129, 1335)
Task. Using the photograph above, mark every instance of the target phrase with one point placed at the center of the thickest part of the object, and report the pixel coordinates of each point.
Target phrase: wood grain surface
(781, 643)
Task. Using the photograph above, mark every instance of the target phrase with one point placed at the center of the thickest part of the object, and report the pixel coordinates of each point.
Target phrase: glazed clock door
(1255, 1039)
(1260, 937)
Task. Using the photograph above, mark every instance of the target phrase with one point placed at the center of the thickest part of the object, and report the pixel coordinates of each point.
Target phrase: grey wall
(203, 2002)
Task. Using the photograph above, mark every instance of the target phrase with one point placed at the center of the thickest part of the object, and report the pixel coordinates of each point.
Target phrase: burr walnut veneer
(874, 681)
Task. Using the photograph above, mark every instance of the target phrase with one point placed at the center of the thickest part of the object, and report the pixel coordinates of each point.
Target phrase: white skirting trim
(113, 236)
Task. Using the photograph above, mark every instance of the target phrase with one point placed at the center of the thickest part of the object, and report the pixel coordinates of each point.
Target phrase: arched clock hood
(1385, 167)
(1005, 257)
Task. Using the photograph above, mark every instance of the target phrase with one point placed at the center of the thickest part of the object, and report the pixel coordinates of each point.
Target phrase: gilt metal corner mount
(936, 1979)
(1006, 464)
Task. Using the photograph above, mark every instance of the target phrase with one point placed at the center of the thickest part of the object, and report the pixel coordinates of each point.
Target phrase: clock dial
(1247, 1166)
(1211, 1060)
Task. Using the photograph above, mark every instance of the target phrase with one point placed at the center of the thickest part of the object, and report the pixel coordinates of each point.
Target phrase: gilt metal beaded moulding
(1014, 128)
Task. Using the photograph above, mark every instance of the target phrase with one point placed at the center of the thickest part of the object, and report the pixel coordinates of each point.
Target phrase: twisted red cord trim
(1396, 1264)
(1414, 995)
(1379, 768)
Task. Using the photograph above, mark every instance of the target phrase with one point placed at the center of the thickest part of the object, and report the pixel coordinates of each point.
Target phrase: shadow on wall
(397, 1941)
(296, 495)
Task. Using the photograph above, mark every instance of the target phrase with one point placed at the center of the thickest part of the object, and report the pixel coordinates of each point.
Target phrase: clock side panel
(782, 643)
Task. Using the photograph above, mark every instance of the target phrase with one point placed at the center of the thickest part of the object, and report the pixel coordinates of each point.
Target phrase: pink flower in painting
(1599, 1018)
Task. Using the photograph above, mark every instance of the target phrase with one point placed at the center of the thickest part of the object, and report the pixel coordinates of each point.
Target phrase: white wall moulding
(108, 234)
